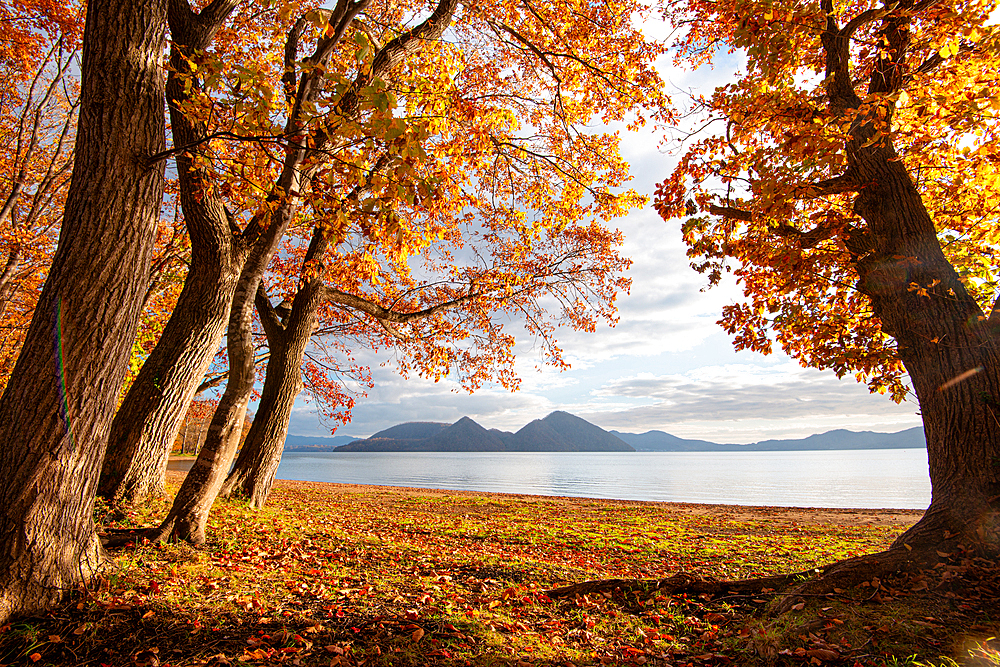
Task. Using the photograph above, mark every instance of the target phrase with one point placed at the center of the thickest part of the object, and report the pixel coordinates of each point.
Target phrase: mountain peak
(558, 432)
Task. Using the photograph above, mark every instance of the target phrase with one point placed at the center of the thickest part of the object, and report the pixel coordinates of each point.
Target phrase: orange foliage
(196, 422)
(37, 127)
(777, 204)
(471, 173)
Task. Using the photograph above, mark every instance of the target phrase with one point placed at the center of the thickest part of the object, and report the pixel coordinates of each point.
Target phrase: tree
(451, 325)
(854, 195)
(309, 142)
(57, 405)
(328, 131)
(153, 409)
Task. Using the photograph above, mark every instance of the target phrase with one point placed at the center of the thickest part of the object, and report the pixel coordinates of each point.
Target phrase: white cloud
(746, 402)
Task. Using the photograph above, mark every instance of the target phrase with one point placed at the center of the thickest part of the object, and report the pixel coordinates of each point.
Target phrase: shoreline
(850, 517)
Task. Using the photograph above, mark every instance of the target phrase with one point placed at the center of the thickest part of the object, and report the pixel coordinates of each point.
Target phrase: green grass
(326, 575)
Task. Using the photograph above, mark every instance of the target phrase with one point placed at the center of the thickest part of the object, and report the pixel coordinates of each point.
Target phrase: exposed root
(794, 588)
(849, 573)
(123, 537)
(117, 538)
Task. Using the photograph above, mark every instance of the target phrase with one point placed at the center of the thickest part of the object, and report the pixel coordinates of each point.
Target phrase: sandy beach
(815, 516)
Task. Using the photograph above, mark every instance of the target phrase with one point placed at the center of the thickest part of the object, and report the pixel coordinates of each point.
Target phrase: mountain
(563, 432)
(412, 430)
(316, 443)
(658, 441)
(559, 432)
(465, 435)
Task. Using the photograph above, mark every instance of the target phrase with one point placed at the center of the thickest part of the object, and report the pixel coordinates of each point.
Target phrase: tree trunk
(253, 473)
(189, 514)
(941, 332)
(6, 277)
(57, 408)
(948, 351)
(149, 417)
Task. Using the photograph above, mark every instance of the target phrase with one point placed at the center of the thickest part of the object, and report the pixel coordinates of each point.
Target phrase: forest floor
(338, 575)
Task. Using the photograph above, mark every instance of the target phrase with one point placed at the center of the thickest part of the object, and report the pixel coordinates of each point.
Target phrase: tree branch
(730, 212)
(830, 186)
(221, 376)
(387, 315)
(273, 327)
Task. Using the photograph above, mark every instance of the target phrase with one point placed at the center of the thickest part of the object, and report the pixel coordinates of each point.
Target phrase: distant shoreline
(564, 432)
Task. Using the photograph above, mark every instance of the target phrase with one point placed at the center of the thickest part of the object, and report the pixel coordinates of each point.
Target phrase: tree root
(793, 588)
(117, 538)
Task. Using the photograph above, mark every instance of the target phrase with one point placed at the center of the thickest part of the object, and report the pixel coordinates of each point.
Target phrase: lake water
(873, 478)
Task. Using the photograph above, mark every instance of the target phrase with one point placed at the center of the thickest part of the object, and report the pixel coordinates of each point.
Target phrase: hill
(658, 441)
(559, 432)
(563, 432)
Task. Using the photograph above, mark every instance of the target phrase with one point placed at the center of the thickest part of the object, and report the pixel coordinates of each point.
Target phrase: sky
(666, 366)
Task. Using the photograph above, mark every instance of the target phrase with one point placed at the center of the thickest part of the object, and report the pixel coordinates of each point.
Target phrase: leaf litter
(332, 575)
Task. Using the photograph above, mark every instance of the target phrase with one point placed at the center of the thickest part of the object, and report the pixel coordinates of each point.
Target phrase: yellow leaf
(949, 49)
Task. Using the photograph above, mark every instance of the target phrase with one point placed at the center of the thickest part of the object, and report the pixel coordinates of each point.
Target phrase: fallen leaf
(799, 607)
(823, 654)
(417, 634)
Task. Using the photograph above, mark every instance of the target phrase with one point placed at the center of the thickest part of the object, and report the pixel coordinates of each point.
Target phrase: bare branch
(386, 315)
(730, 212)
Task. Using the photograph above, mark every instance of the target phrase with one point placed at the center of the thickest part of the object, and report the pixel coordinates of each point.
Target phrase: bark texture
(151, 414)
(56, 410)
(253, 473)
(188, 515)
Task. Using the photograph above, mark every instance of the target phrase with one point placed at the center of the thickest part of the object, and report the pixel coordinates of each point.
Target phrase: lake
(872, 478)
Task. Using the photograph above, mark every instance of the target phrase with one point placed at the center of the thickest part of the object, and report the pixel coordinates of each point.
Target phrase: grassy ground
(332, 575)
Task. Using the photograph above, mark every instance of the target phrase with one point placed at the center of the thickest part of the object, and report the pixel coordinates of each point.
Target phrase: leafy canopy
(766, 178)
(474, 170)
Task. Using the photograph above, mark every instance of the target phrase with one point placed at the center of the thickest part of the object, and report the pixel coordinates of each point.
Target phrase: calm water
(875, 478)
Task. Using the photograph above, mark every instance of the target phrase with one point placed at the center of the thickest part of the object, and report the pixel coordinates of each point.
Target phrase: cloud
(744, 403)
